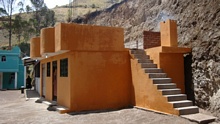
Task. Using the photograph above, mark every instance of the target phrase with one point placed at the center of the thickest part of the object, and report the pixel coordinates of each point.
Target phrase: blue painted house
(12, 69)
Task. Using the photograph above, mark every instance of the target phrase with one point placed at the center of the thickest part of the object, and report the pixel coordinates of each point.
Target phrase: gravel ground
(15, 109)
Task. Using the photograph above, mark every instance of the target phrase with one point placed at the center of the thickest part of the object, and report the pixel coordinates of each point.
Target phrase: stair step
(176, 97)
(137, 51)
(188, 110)
(170, 91)
(148, 65)
(161, 80)
(183, 103)
(153, 70)
(166, 86)
(145, 61)
(141, 56)
(157, 75)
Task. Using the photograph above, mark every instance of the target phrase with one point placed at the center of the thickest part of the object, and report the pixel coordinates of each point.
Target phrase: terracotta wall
(151, 39)
(173, 65)
(168, 30)
(88, 37)
(99, 75)
(49, 87)
(145, 93)
(100, 80)
(47, 40)
(63, 83)
(35, 47)
(171, 60)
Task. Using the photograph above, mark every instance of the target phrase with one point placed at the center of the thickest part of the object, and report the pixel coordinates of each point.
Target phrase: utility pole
(76, 9)
(71, 9)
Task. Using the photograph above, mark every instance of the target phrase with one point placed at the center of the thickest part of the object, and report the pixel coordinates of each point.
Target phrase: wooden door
(43, 80)
(54, 76)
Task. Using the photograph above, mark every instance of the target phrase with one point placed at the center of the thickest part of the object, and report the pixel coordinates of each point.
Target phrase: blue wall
(12, 65)
(12, 60)
(7, 83)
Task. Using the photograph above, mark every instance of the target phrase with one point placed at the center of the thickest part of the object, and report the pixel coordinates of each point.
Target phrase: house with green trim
(12, 69)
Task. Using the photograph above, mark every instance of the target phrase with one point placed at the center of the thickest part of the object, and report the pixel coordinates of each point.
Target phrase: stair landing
(199, 118)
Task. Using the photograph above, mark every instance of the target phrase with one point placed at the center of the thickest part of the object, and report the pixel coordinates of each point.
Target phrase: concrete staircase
(164, 84)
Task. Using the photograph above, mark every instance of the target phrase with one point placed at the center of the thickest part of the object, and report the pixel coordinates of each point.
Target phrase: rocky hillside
(198, 27)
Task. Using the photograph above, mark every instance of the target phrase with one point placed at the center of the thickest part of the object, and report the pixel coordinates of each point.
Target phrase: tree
(43, 17)
(21, 28)
(25, 48)
(17, 27)
(37, 6)
(21, 4)
(28, 9)
(6, 10)
(28, 31)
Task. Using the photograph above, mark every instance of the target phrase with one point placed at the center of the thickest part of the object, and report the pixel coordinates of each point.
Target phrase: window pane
(3, 58)
(64, 67)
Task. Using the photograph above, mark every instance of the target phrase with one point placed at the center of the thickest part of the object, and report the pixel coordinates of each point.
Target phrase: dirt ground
(15, 109)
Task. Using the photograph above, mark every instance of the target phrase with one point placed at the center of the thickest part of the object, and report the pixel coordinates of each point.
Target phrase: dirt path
(14, 109)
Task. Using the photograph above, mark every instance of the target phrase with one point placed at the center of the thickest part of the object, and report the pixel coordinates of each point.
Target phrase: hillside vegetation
(80, 8)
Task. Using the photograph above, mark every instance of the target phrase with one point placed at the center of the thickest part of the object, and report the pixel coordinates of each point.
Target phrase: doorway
(43, 80)
(54, 79)
(189, 86)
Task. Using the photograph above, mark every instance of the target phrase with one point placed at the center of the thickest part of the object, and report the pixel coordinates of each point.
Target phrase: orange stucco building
(85, 67)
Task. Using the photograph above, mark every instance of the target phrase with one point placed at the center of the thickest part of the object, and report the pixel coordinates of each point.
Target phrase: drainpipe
(137, 44)
(24, 76)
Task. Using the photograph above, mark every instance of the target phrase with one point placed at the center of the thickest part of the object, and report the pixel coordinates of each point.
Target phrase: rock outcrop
(198, 27)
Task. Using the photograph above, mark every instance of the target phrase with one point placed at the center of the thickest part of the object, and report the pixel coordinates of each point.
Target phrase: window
(64, 67)
(3, 58)
(48, 69)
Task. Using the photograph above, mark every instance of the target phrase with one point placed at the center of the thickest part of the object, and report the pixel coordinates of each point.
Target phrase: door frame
(43, 79)
(54, 67)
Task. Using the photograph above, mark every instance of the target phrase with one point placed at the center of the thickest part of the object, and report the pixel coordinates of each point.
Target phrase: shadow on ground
(32, 94)
(97, 112)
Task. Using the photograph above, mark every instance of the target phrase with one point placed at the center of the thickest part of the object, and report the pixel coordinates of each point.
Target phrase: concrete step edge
(188, 107)
(181, 101)
(166, 84)
(174, 89)
(175, 95)
(157, 73)
(160, 78)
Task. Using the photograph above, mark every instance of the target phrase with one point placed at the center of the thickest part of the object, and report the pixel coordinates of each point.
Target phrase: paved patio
(16, 109)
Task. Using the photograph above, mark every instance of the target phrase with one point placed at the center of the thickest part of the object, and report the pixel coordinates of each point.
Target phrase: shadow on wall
(189, 86)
